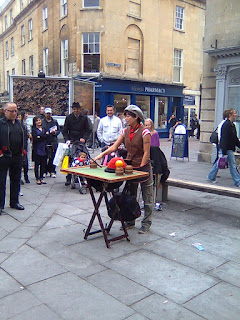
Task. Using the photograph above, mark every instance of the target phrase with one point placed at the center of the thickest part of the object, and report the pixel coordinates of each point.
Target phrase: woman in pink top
(154, 133)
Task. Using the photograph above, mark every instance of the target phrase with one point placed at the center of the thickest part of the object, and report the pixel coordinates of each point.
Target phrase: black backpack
(129, 207)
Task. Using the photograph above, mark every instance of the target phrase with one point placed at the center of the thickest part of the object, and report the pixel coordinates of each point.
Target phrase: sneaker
(144, 229)
(27, 180)
(212, 181)
(129, 225)
(53, 175)
(44, 175)
(20, 194)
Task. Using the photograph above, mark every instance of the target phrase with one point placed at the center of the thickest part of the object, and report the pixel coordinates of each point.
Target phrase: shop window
(177, 65)
(179, 18)
(135, 8)
(91, 52)
(161, 108)
(143, 102)
(121, 102)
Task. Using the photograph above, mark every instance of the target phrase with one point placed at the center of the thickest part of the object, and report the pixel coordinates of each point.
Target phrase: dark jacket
(36, 139)
(229, 139)
(76, 128)
(4, 138)
(51, 138)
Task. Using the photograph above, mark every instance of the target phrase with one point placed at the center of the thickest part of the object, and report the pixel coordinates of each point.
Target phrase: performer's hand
(99, 157)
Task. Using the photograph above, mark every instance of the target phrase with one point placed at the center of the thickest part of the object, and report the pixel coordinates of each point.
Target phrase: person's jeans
(233, 169)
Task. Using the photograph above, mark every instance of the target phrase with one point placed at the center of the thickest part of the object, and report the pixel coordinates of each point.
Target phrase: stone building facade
(221, 70)
(147, 52)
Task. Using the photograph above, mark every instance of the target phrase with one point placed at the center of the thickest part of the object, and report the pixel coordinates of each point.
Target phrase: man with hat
(137, 140)
(12, 149)
(51, 126)
(76, 128)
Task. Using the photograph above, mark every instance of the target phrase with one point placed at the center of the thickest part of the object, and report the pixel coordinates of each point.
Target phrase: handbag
(65, 163)
(214, 137)
(222, 163)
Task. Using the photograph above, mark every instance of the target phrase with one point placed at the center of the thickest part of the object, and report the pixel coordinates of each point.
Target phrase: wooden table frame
(107, 181)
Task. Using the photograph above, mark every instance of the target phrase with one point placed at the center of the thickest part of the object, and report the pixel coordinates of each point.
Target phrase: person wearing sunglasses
(12, 149)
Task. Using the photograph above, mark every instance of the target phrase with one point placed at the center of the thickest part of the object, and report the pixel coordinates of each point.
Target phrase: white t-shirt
(109, 129)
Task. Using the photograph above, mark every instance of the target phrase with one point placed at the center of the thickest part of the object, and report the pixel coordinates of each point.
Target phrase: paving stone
(185, 254)
(17, 303)
(229, 272)
(219, 302)
(220, 245)
(24, 232)
(119, 287)
(35, 221)
(77, 299)
(10, 245)
(3, 233)
(70, 259)
(156, 307)
(8, 223)
(3, 256)
(168, 278)
(8, 284)
(41, 312)
(28, 266)
(57, 221)
(137, 316)
(38, 240)
(68, 210)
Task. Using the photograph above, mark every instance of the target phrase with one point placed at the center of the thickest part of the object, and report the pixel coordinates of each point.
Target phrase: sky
(2, 1)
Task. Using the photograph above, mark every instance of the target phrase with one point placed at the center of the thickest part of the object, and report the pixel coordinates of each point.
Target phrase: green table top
(101, 175)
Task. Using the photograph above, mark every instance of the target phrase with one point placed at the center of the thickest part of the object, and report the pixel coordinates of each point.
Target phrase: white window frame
(179, 18)
(6, 21)
(178, 65)
(64, 57)
(31, 65)
(91, 49)
(6, 50)
(63, 8)
(8, 81)
(85, 5)
(23, 35)
(12, 47)
(45, 61)
(11, 16)
(23, 67)
(45, 18)
(30, 29)
(137, 4)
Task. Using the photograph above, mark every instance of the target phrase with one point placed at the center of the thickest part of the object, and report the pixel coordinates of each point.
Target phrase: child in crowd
(81, 160)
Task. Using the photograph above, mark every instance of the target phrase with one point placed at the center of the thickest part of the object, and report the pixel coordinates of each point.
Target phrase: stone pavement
(49, 272)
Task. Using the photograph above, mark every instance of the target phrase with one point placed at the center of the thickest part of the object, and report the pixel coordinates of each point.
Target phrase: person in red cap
(137, 140)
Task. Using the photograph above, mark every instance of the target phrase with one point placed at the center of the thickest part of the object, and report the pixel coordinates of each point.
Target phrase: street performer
(137, 140)
(12, 149)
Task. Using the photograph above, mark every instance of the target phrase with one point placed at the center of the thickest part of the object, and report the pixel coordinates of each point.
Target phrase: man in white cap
(137, 140)
(51, 126)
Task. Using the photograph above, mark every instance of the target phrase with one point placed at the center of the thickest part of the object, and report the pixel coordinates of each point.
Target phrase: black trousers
(40, 166)
(14, 165)
(25, 167)
(50, 167)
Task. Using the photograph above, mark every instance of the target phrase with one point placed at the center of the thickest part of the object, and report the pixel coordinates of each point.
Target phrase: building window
(63, 8)
(90, 3)
(177, 65)
(64, 57)
(21, 5)
(91, 52)
(45, 18)
(8, 81)
(23, 67)
(13, 71)
(133, 55)
(12, 47)
(135, 8)
(11, 17)
(6, 22)
(31, 65)
(30, 29)
(22, 35)
(179, 18)
(45, 61)
(6, 50)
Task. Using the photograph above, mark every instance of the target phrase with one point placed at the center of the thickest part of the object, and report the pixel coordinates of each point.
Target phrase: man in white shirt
(109, 128)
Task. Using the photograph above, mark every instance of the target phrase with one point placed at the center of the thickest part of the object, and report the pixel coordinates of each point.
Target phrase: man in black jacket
(51, 126)
(76, 128)
(12, 149)
(228, 143)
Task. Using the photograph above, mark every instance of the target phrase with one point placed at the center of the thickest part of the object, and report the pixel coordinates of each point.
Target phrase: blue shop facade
(157, 101)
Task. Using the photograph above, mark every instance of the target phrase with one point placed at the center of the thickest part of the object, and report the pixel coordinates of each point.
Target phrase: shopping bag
(65, 163)
(222, 163)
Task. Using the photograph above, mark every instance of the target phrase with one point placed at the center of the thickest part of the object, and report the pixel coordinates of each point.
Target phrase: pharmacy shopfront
(157, 101)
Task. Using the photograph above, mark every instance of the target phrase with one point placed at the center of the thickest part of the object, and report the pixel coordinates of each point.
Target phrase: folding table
(107, 179)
